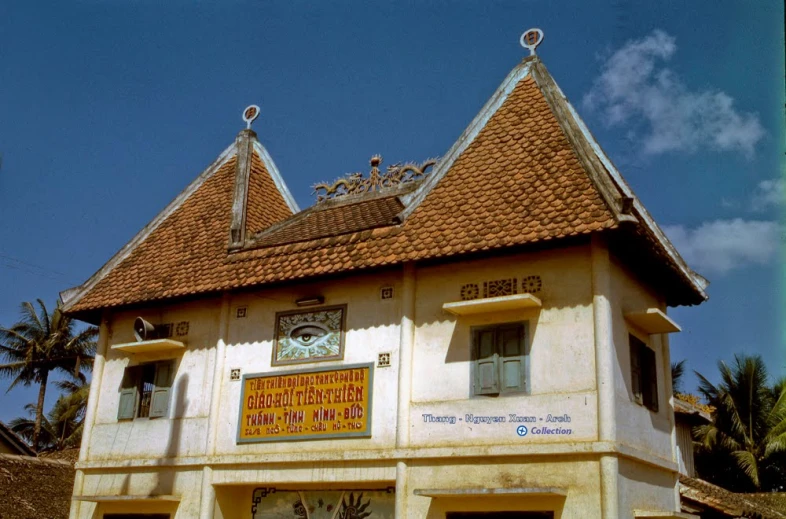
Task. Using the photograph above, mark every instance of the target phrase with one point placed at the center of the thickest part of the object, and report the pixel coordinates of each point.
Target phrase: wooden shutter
(486, 363)
(129, 394)
(635, 368)
(159, 401)
(510, 344)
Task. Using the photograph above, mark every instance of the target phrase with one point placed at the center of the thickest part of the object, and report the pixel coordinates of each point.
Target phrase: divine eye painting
(309, 336)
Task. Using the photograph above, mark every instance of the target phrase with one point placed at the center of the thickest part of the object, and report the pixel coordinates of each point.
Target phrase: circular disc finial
(531, 39)
(249, 114)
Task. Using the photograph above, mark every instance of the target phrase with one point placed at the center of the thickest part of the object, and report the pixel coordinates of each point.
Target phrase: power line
(32, 268)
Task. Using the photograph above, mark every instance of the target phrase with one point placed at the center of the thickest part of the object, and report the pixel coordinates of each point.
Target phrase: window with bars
(500, 359)
(644, 374)
(145, 391)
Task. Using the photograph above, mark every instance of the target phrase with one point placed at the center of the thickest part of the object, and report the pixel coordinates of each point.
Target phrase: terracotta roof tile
(265, 205)
(519, 181)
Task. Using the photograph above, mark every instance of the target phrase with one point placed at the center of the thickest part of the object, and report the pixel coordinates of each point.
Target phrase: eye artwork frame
(313, 335)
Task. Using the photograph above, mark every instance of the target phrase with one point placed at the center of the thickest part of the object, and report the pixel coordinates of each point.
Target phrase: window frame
(131, 391)
(644, 373)
(499, 359)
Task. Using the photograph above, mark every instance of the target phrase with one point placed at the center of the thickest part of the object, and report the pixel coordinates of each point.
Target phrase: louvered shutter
(486, 364)
(126, 410)
(511, 345)
(159, 400)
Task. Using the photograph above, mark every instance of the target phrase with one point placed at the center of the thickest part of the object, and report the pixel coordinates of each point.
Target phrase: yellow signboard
(306, 405)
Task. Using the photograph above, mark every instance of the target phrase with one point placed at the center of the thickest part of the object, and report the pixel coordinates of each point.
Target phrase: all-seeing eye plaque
(309, 336)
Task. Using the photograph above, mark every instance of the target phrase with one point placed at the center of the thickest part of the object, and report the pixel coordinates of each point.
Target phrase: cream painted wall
(637, 426)
(562, 376)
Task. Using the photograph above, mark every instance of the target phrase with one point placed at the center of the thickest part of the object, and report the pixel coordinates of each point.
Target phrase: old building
(483, 333)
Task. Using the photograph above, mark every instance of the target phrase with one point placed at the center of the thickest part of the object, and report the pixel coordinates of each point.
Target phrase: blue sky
(110, 109)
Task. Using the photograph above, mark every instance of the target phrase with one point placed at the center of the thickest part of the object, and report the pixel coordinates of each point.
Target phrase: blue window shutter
(159, 400)
(126, 410)
(511, 346)
(486, 363)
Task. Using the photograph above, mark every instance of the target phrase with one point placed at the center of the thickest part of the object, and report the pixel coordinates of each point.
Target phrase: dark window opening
(644, 374)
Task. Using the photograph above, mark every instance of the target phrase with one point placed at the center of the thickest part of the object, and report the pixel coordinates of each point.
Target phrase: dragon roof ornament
(355, 183)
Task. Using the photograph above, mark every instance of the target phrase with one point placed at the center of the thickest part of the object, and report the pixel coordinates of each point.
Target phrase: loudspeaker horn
(143, 330)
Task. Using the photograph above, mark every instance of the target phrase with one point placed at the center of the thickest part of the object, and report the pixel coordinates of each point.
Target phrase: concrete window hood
(492, 304)
(491, 492)
(150, 346)
(652, 321)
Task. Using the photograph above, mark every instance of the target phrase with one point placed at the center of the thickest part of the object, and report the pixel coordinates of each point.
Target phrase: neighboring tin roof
(698, 495)
(525, 171)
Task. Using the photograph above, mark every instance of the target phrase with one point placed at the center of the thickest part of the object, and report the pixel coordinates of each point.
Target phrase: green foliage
(743, 449)
(60, 429)
(40, 343)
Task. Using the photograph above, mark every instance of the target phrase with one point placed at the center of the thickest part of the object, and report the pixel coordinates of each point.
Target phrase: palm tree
(40, 343)
(59, 429)
(677, 372)
(743, 448)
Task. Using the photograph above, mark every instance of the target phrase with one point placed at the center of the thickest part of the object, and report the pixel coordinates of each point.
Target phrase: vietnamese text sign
(306, 405)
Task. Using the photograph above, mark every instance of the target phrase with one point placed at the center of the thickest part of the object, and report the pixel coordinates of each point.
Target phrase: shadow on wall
(165, 478)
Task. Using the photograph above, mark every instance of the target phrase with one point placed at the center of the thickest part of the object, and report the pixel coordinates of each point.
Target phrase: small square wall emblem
(240, 313)
(234, 374)
(383, 361)
(386, 293)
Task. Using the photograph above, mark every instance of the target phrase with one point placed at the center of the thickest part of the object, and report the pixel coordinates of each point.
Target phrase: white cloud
(769, 193)
(634, 88)
(723, 245)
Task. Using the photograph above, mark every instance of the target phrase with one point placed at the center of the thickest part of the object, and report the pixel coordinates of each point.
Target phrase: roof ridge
(495, 102)
(605, 172)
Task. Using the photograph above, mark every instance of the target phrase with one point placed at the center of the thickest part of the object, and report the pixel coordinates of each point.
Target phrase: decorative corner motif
(259, 494)
(499, 287)
(531, 285)
(182, 328)
(386, 293)
(383, 360)
(354, 183)
(470, 291)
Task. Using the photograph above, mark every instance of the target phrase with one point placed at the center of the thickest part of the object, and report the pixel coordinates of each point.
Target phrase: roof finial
(250, 114)
(531, 39)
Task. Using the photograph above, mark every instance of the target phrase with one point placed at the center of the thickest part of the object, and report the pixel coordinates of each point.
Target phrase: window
(145, 391)
(644, 374)
(500, 359)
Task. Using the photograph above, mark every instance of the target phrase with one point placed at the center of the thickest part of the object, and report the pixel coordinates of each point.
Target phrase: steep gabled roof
(525, 171)
(192, 234)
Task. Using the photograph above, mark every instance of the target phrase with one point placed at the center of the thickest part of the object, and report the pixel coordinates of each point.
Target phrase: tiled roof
(265, 204)
(732, 504)
(516, 177)
(326, 220)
